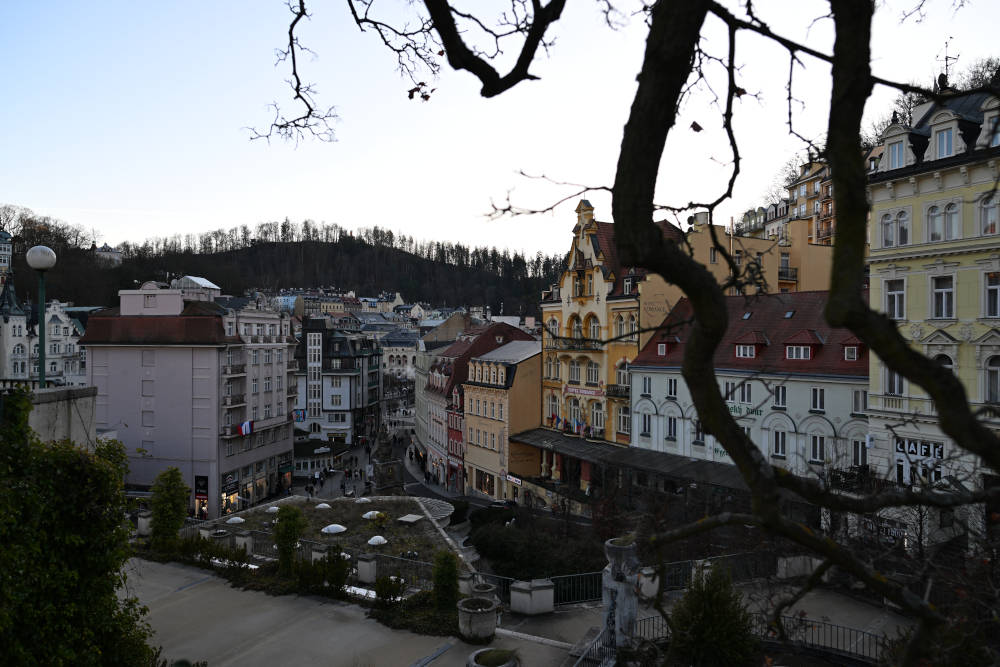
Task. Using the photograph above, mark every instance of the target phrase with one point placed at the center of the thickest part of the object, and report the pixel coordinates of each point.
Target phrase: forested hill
(442, 274)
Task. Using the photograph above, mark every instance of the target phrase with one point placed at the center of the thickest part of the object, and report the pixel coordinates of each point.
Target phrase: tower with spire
(15, 344)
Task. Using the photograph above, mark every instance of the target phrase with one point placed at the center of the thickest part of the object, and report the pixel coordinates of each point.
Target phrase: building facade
(192, 379)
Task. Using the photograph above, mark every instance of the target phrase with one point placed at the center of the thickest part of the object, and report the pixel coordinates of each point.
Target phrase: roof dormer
(750, 345)
(989, 135)
(946, 137)
(898, 148)
(802, 345)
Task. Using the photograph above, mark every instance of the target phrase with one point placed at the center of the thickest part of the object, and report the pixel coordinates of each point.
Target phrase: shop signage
(321, 450)
(230, 487)
(582, 391)
(201, 487)
(511, 478)
(925, 450)
(738, 410)
(231, 477)
(883, 530)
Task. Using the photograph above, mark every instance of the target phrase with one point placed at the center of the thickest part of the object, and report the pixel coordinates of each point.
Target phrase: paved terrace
(198, 616)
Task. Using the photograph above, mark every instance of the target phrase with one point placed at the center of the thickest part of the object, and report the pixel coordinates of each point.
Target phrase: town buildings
(935, 270)
(444, 406)
(200, 381)
(400, 356)
(429, 346)
(500, 396)
(797, 386)
(339, 383)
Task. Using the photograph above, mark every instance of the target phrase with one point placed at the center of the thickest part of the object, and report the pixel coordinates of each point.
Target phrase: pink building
(201, 381)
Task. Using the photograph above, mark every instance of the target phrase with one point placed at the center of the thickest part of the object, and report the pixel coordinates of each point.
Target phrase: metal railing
(234, 369)
(618, 390)
(788, 273)
(750, 565)
(837, 638)
(601, 653)
(502, 584)
(416, 574)
(652, 628)
(575, 588)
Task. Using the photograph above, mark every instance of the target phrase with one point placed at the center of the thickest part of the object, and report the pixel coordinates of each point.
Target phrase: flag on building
(299, 415)
(246, 428)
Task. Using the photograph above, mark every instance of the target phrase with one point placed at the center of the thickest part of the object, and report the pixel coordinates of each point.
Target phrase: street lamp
(41, 259)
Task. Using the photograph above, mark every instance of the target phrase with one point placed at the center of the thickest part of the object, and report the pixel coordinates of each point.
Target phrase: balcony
(812, 193)
(234, 369)
(825, 231)
(234, 400)
(292, 365)
(619, 391)
(827, 194)
(826, 213)
(787, 273)
(573, 344)
(293, 390)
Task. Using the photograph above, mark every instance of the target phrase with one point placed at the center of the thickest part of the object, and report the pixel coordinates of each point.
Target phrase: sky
(130, 119)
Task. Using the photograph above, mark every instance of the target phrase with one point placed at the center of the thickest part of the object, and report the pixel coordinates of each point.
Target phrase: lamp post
(41, 259)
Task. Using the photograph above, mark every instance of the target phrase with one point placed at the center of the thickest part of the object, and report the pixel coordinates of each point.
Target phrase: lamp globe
(41, 258)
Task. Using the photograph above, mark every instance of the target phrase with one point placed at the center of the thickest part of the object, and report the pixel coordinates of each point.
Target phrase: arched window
(53, 367)
(944, 361)
(622, 375)
(553, 407)
(624, 420)
(888, 233)
(558, 368)
(66, 367)
(314, 427)
(493, 376)
(577, 329)
(633, 327)
(597, 415)
(993, 380)
(574, 412)
(935, 224)
(479, 374)
(593, 372)
(951, 222)
(595, 328)
(989, 216)
(548, 367)
(903, 222)
(18, 349)
(574, 370)
(620, 327)
(553, 327)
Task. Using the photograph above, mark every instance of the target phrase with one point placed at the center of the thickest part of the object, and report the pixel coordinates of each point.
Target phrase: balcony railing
(235, 369)
(572, 344)
(293, 390)
(827, 194)
(812, 193)
(826, 213)
(293, 365)
(825, 231)
(234, 399)
(619, 391)
(787, 273)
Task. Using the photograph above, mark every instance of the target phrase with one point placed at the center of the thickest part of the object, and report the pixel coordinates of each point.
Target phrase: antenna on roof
(947, 61)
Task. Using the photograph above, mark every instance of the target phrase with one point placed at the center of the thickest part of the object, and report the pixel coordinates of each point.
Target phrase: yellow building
(501, 397)
(935, 269)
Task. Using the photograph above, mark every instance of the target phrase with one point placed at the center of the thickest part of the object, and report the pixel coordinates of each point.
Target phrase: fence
(601, 653)
(750, 565)
(652, 628)
(574, 588)
(263, 546)
(502, 584)
(415, 573)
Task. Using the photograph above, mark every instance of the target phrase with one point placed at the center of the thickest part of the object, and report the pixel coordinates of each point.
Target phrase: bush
(710, 610)
(446, 589)
(169, 506)
(287, 532)
(491, 515)
(461, 512)
(388, 591)
(419, 613)
(525, 555)
(959, 643)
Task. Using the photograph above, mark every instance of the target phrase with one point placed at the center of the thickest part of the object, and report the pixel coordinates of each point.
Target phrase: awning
(287, 468)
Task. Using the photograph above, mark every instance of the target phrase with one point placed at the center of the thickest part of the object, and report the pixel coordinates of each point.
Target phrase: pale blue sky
(128, 117)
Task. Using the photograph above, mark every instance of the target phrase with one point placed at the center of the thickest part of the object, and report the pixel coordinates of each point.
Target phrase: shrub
(381, 520)
(525, 555)
(388, 591)
(446, 590)
(491, 515)
(287, 532)
(169, 506)
(461, 512)
(712, 609)
(959, 643)
(327, 576)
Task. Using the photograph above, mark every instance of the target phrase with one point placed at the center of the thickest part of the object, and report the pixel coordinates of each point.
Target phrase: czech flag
(246, 428)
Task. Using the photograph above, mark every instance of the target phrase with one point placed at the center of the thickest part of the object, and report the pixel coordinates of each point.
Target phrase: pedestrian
(322, 482)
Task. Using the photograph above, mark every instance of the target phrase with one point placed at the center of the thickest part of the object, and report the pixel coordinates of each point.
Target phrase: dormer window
(943, 139)
(850, 354)
(797, 351)
(628, 286)
(994, 131)
(896, 155)
(661, 349)
(746, 351)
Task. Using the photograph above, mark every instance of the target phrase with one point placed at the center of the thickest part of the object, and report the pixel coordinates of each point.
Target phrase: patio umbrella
(333, 529)
(236, 519)
(378, 540)
(370, 515)
(322, 506)
(272, 510)
(361, 501)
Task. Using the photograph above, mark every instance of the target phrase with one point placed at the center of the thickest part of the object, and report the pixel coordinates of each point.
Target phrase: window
(335, 399)
(253, 385)
(267, 356)
(779, 443)
(477, 406)
(993, 380)
(779, 396)
(593, 372)
(622, 376)
(903, 225)
(818, 398)
(672, 387)
(818, 445)
(944, 297)
(661, 349)
(738, 257)
(745, 351)
(255, 357)
(553, 407)
(548, 367)
(699, 433)
(590, 284)
(253, 413)
(597, 415)
(493, 410)
(894, 383)
(281, 356)
(944, 361)
(267, 411)
(595, 328)
(895, 301)
(993, 295)
(493, 441)
(577, 329)
(632, 327)
(944, 145)
(647, 385)
(672, 428)
(713, 256)
(553, 327)
(989, 216)
(149, 301)
(574, 412)
(730, 392)
(860, 401)
(745, 394)
(500, 411)
(935, 224)
(279, 383)
(860, 453)
(574, 371)
(624, 420)
(620, 327)
(896, 159)
(797, 352)
(647, 423)
(850, 354)
(627, 289)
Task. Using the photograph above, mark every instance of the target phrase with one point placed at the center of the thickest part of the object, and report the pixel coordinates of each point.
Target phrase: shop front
(230, 491)
(485, 483)
(201, 496)
(285, 468)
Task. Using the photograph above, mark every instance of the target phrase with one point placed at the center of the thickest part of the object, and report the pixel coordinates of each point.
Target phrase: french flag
(246, 428)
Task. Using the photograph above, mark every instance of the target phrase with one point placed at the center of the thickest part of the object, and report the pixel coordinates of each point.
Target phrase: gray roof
(200, 282)
(514, 352)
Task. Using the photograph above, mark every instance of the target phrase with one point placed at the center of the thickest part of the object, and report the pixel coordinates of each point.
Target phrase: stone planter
(143, 528)
(223, 537)
(623, 560)
(484, 591)
(477, 618)
(472, 659)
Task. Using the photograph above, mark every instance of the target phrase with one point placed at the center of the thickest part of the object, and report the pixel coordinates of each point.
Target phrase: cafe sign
(923, 450)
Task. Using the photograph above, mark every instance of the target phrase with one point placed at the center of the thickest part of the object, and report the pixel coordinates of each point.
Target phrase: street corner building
(201, 381)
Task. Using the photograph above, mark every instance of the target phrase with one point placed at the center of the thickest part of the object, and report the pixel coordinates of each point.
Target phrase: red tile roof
(606, 243)
(474, 342)
(768, 320)
(198, 324)
(752, 338)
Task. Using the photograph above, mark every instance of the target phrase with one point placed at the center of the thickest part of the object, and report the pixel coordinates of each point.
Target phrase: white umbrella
(322, 506)
(333, 529)
(272, 510)
(361, 501)
(236, 519)
(370, 515)
(377, 541)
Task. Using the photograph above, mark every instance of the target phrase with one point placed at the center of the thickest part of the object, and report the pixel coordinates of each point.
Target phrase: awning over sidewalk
(568, 445)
